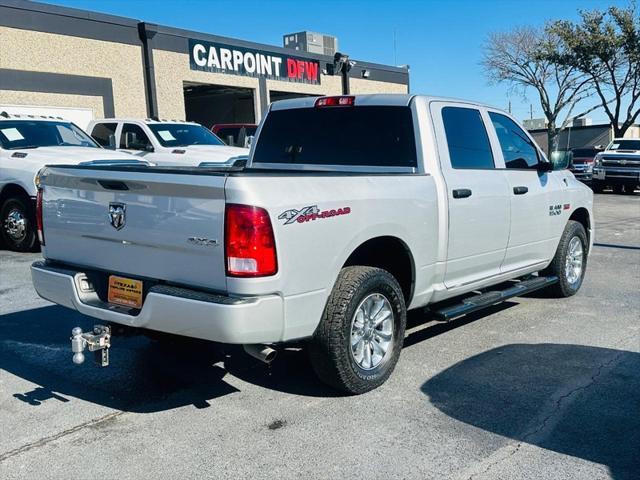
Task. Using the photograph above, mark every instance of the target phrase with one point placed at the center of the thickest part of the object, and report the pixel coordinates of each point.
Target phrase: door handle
(461, 193)
(520, 190)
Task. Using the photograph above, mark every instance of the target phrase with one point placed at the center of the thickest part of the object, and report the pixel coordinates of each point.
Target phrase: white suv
(27, 144)
(165, 143)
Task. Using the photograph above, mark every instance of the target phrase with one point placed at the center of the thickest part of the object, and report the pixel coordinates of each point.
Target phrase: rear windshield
(33, 134)
(365, 136)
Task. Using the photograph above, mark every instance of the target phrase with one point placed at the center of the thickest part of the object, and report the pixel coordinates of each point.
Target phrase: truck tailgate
(160, 225)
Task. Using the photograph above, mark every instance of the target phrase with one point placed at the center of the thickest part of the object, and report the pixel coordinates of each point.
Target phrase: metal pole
(342, 65)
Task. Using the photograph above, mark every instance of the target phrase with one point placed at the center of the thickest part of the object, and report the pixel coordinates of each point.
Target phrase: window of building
(467, 139)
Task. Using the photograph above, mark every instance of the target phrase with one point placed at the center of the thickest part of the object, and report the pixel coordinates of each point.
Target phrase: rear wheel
(17, 227)
(570, 261)
(629, 189)
(360, 336)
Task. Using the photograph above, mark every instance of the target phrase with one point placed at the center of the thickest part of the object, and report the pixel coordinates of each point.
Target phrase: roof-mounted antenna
(4, 114)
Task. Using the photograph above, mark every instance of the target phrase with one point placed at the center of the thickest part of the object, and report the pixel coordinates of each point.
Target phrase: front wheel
(16, 227)
(570, 261)
(360, 336)
(597, 186)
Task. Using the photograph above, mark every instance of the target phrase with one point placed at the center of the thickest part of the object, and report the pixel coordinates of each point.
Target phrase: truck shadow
(576, 400)
(144, 376)
(147, 375)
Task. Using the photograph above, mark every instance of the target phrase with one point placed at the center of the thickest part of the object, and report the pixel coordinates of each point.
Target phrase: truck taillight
(339, 101)
(250, 247)
(39, 216)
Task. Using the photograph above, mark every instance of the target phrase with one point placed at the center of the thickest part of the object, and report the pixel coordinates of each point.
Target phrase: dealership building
(82, 65)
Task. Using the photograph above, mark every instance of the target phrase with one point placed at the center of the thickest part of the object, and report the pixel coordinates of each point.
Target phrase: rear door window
(380, 136)
(467, 138)
(102, 132)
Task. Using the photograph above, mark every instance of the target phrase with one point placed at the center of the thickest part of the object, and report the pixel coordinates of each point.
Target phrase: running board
(483, 300)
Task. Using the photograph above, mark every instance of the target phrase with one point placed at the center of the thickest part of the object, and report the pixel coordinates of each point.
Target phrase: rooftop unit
(311, 42)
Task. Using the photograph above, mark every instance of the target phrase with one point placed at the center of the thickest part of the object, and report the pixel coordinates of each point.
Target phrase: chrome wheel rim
(573, 262)
(372, 331)
(15, 224)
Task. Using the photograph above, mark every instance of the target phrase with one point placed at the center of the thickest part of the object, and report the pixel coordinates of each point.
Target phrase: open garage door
(275, 95)
(217, 104)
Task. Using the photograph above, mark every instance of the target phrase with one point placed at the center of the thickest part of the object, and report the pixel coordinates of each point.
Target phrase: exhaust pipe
(264, 353)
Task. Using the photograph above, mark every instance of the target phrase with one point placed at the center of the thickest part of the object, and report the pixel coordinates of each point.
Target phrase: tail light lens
(39, 216)
(250, 247)
(340, 101)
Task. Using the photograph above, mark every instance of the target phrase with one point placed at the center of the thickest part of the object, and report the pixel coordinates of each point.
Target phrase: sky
(440, 40)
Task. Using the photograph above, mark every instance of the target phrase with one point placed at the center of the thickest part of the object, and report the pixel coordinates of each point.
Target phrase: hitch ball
(97, 341)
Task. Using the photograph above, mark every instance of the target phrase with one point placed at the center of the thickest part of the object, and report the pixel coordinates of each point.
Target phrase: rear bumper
(180, 311)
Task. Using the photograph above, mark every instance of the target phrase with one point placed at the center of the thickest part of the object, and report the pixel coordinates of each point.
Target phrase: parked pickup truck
(333, 230)
(164, 142)
(27, 144)
(618, 166)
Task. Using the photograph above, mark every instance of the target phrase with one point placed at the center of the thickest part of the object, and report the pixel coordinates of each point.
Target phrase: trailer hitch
(98, 341)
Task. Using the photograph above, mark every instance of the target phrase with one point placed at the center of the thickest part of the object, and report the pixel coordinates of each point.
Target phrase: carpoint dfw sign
(216, 57)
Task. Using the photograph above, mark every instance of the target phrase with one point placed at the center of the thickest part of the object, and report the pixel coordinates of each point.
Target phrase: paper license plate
(125, 291)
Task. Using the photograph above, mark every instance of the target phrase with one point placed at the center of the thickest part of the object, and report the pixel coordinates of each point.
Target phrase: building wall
(172, 70)
(59, 57)
(61, 100)
(26, 50)
(579, 137)
(360, 85)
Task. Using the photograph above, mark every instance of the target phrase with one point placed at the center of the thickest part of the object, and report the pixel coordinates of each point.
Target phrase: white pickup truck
(164, 142)
(350, 211)
(26, 145)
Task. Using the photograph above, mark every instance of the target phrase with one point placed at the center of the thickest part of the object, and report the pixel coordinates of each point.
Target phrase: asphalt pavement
(535, 388)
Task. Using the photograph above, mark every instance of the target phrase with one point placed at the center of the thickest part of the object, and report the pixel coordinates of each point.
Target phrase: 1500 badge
(312, 212)
(557, 209)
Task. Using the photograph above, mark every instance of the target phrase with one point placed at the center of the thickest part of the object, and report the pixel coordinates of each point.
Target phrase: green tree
(522, 59)
(605, 46)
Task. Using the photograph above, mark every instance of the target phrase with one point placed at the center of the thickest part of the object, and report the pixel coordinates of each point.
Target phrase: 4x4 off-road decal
(312, 212)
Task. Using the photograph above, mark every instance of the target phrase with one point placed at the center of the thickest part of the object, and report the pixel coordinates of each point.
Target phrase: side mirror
(248, 141)
(544, 167)
(129, 140)
(112, 141)
(561, 160)
(132, 142)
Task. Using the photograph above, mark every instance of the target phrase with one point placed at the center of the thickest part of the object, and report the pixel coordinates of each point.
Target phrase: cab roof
(390, 99)
(40, 118)
(148, 121)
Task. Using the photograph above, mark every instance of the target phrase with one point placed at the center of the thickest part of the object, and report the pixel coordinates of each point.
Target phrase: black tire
(597, 187)
(558, 266)
(330, 348)
(629, 189)
(617, 188)
(11, 209)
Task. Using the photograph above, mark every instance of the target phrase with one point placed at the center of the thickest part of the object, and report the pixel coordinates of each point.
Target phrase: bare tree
(521, 58)
(605, 46)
